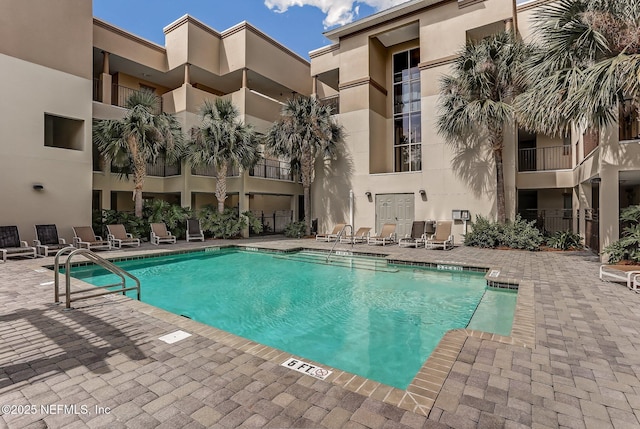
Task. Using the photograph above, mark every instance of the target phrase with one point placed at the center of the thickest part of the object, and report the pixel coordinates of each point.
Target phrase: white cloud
(337, 12)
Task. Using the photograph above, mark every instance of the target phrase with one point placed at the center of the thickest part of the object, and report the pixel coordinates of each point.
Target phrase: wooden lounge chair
(442, 238)
(84, 237)
(118, 236)
(11, 246)
(47, 240)
(417, 236)
(194, 230)
(159, 234)
(333, 235)
(386, 236)
(360, 236)
(621, 273)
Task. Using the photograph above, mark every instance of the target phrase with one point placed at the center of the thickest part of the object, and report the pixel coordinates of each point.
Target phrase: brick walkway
(581, 373)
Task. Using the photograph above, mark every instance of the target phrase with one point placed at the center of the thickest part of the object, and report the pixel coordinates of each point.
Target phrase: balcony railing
(550, 221)
(272, 169)
(212, 171)
(159, 169)
(274, 222)
(119, 95)
(545, 158)
(333, 101)
(97, 85)
(591, 140)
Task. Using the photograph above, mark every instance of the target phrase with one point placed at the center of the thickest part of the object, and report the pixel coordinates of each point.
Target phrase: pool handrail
(104, 263)
(338, 240)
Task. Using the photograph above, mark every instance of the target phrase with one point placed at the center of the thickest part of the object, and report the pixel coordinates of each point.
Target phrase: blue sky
(299, 28)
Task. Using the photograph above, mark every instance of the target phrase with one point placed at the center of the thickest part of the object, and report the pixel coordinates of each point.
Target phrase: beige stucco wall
(24, 160)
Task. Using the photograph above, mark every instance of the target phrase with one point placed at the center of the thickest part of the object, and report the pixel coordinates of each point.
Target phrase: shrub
(295, 229)
(518, 234)
(255, 224)
(173, 215)
(221, 225)
(564, 240)
(627, 248)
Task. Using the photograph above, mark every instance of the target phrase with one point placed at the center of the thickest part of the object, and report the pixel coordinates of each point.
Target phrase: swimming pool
(372, 319)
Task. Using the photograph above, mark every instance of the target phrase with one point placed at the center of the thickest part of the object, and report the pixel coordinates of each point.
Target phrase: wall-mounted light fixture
(422, 192)
(38, 186)
(367, 194)
(595, 180)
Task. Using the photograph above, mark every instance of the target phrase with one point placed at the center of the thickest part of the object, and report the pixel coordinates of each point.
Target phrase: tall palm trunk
(139, 173)
(221, 186)
(498, 146)
(306, 173)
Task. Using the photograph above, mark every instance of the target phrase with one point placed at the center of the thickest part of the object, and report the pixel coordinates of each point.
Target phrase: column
(245, 79)
(105, 80)
(314, 86)
(609, 209)
(187, 74)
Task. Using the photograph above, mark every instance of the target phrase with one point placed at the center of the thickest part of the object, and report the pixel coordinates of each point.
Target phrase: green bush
(564, 240)
(518, 234)
(221, 225)
(173, 215)
(295, 229)
(628, 247)
(255, 224)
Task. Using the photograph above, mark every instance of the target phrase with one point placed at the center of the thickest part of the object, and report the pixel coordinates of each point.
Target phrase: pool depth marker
(306, 368)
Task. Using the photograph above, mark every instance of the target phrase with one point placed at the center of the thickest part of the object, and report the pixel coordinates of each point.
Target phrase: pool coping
(422, 392)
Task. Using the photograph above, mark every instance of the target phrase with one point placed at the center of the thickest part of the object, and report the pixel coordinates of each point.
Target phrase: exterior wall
(24, 160)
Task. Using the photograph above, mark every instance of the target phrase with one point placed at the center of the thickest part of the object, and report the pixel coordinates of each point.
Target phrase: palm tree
(222, 140)
(304, 132)
(138, 138)
(587, 62)
(475, 100)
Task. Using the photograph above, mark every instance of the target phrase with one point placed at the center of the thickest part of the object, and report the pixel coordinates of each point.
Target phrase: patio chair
(11, 246)
(621, 273)
(194, 230)
(386, 236)
(333, 235)
(85, 238)
(118, 236)
(159, 234)
(47, 240)
(360, 236)
(442, 238)
(417, 236)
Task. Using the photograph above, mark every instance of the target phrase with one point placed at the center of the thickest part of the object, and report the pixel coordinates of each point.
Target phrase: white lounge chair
(386, 236)
(194, 230)
(84, 237)
(118, 236)
(47, 240)
(360, 236)
(159, 234)
(621, 273)
(333, 235)
(416, 238)
(442, 238)
(11, 246)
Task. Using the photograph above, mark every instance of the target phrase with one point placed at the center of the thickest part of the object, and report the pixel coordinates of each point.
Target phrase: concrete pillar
(105, 196)
(245, 79)
(609, 209)
(294, 207)
(508, 24)
(314, 86)
(243, 206)
(105, 62)
(105, 80)
(187, 74)
(575, 209)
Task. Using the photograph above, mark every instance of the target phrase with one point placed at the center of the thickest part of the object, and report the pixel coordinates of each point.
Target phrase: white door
(397, 209)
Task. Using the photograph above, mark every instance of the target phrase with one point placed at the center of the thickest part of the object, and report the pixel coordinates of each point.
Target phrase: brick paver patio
(104, 358)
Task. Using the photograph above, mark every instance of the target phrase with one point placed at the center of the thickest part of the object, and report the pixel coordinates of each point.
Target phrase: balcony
(159, 169)
(119, 95)
(333, 102)
(212, 171)
(545, 158)
(272, 169)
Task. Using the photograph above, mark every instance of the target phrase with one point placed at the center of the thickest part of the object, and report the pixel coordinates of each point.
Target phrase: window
(629, 121)
(407, 127)
(63, 133)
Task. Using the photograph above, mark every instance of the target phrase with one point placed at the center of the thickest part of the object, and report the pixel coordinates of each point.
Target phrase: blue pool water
(380, 325)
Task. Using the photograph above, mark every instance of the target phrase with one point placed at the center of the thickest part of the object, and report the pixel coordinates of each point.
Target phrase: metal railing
(550, 221)
(333, 101)
(545, 158)
(97, 86)
(212, 171)
(590, 140)
(272, 169)
(162, 169)
(107, 265)
(340, 234)
(274, 222)
(120, 95)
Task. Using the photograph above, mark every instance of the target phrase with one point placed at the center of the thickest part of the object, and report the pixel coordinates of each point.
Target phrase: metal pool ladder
(338, 240)
(107, 265)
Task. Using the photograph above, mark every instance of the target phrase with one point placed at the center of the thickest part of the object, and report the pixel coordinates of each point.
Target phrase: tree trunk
(139, 173)
(221, 186)
(500, 196)
(306, 173)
